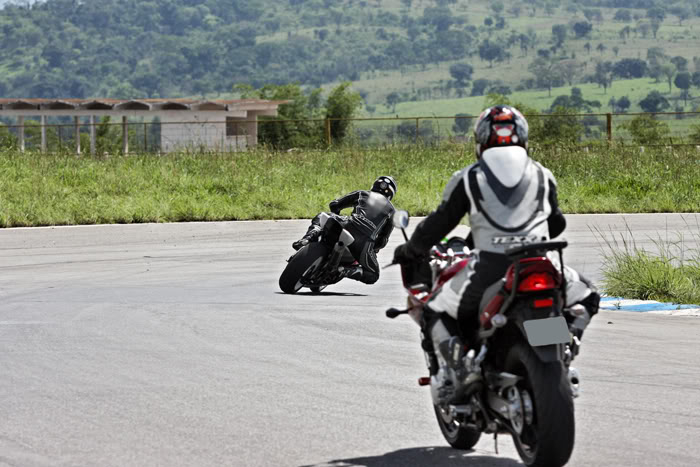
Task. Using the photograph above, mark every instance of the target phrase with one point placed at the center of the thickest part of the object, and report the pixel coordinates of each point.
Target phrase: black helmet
(385, 185)
(500, 125)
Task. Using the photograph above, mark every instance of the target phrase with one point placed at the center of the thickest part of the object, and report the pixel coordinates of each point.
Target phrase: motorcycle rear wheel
(460, 436)
(548, 439)
(302, 265)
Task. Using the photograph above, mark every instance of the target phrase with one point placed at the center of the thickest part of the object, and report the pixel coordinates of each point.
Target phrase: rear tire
(302, 264)
(549, 439)
(459, 436)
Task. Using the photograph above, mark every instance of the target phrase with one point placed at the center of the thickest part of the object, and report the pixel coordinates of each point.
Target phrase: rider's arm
(556, 220)
(455, 204)
(343, 202)
(384, 234)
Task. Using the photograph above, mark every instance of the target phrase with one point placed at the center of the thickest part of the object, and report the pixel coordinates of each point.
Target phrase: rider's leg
(367, 272)
(311, 235)
(459, 298)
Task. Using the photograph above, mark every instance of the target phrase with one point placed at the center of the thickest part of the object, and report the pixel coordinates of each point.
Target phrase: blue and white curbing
(648, 306)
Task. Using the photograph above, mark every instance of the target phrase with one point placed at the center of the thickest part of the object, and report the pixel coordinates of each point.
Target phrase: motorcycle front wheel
(547, 424)
(301, 266)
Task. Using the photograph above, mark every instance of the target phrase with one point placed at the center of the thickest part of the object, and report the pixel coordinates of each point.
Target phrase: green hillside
(401, 55)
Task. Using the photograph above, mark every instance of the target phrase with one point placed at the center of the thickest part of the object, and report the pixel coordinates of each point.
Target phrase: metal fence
(674, 128)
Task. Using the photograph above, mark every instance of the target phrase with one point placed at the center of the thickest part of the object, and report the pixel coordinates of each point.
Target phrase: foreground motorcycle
(319, 264)
(514, 379)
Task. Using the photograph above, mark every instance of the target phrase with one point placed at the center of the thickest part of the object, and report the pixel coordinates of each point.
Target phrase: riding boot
(311, 236)
(353, 272)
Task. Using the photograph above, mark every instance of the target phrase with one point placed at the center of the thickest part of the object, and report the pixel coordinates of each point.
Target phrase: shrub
(645, 129)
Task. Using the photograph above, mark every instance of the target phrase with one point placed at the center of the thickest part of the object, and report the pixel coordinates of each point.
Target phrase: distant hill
(392, 50)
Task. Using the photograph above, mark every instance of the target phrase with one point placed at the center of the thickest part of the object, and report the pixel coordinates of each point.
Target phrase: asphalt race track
(170, 345)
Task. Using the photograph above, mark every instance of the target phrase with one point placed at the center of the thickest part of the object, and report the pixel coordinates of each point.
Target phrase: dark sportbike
(319, 264)
(515, 379)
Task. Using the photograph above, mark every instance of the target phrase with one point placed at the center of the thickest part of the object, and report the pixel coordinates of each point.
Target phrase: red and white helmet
(500, 125)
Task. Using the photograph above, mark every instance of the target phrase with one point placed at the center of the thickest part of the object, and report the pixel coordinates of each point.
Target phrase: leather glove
(403, 255)
(334, 207)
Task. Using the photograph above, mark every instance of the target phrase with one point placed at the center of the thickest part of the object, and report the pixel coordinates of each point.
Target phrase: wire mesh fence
(229, 135)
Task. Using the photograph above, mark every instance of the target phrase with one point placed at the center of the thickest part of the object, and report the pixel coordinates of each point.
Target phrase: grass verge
(670, 274)
(37, 189)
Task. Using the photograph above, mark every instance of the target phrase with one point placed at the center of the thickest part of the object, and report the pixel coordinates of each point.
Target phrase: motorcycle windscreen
(547, 331)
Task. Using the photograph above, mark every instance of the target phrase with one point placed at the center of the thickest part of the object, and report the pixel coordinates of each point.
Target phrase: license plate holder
(547, 331)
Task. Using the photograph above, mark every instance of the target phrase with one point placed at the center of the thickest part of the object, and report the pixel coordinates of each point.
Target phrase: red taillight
(537, 282)
(536, 274)
(543, 303)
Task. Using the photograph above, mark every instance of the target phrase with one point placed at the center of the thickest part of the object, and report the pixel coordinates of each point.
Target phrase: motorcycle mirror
(400, 219)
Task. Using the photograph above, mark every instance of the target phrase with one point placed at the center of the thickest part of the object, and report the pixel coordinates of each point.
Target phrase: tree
(655, 25)
(439, 17)
(497, 8)
(643, 28)
(616, 50)
(524, 41)
(461, 72)
(623, 15)
(574, 101)
(623, 103)
(582, 29)
(695, 79)
(587, 46)
(603, 75)
(593, 14)
(668, 70)
(681, 63)
(681, 12)
(656, 13)
(341, 106)
(601, 48)
(462, 124)
(683, 82)
(654, 102)
(630, 68)
(295, 123)
(491, 51)
(392, 99)
(625, 33)
(569, 69)
(546, 71)
(479, 86)
(559, 34)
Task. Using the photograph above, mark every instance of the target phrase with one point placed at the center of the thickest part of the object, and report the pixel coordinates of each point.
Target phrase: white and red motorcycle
(515, 378)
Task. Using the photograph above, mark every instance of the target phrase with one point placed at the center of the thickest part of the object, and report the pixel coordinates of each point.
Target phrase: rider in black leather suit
(369, 223)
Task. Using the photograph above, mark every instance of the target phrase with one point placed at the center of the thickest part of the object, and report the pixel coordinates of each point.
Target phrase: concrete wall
(181, 131)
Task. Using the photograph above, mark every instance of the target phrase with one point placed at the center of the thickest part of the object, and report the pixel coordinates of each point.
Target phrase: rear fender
(546, 353)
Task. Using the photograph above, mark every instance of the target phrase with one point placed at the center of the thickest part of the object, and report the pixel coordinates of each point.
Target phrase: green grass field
(65, 189)
(634, 89)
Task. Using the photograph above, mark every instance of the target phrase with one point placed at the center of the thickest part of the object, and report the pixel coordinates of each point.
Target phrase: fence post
(93, 136)
(76, 129)
(417, 129)
(328, 131)
(145, 137)
(125, 135)
(608, 117)
(43, 133)
(20, 124)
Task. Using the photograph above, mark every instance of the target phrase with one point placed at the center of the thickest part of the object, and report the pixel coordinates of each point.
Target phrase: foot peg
(574, 380)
